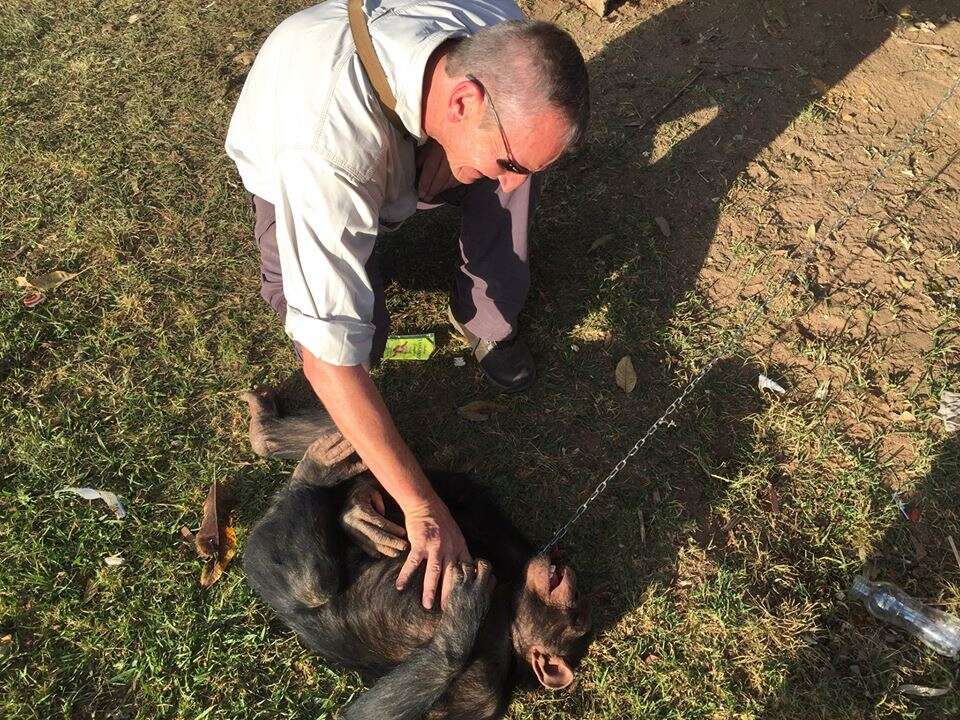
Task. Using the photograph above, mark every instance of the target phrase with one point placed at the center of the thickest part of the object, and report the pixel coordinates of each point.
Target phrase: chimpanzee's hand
(465, 609)
(332, 449)
(435, 538)
(363, 520)
(327, 461)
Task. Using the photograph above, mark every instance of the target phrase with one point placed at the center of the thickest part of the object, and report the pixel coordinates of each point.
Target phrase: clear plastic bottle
(938, 630)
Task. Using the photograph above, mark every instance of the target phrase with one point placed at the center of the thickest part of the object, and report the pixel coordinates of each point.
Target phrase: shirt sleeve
(327, 224)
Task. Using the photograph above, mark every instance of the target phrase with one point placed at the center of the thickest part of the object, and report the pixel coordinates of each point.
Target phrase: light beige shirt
(308, 135)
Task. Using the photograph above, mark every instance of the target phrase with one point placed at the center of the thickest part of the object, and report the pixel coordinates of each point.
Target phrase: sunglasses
(510, 164)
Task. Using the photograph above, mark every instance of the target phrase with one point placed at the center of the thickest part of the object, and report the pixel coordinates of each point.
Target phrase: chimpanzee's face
(552, 621)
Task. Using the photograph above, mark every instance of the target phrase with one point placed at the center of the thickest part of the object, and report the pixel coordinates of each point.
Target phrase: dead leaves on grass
(216, 540)
(479, 410)
(35, 287)
(245, 58)
(663, 225)
(625, 375)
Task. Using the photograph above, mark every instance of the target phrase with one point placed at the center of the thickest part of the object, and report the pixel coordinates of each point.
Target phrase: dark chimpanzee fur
(461, 663)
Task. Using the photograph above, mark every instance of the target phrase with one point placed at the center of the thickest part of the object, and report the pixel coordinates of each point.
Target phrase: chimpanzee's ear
(551, 670)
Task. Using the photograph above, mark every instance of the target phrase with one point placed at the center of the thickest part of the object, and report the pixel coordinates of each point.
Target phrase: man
(456, 101)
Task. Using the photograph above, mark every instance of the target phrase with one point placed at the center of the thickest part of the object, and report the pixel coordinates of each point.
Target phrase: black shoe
(508, 364)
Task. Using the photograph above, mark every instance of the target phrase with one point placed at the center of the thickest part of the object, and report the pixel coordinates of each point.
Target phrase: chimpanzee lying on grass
(304, 558)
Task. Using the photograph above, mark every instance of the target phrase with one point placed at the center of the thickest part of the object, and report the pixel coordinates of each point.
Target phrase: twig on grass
(932, 46)
(953, 546)
(671, 101)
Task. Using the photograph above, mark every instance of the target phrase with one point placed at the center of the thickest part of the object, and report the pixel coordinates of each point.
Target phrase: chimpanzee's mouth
(556, 575)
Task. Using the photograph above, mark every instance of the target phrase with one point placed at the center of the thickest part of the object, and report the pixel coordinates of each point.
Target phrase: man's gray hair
(528, 66)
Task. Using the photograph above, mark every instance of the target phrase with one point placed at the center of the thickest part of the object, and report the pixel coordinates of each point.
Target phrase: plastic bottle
(938, 630)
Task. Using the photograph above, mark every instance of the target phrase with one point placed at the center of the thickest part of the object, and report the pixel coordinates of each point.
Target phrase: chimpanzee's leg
(293, 556)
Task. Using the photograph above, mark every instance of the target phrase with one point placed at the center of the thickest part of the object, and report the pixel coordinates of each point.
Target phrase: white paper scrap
(950, 410)
(112, 501)
(766, 383)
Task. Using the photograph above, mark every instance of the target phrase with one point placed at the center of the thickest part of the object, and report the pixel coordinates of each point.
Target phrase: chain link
(741, 331)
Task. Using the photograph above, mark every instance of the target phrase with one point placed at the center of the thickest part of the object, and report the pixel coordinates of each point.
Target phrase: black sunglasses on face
(510, 164)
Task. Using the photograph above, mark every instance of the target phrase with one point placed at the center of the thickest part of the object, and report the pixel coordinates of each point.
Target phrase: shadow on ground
(761, 66)
(855, 660)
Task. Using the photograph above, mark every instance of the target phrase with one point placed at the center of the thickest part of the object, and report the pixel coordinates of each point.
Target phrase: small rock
(757, 171)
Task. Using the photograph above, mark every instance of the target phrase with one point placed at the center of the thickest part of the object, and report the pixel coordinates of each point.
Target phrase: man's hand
(356, 407)
(435, 539)
(363, 519)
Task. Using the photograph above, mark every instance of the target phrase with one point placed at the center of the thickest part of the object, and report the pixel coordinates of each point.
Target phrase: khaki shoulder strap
(371, 63)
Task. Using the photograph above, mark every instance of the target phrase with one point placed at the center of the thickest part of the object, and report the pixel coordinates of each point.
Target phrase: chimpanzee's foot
(466, 607)
(296, 395)
(508, 364)
(275, 434)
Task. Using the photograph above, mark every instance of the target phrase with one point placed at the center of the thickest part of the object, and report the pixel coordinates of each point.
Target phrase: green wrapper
(409, 347)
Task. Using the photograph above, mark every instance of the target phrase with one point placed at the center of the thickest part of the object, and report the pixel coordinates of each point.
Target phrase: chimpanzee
(319, 559)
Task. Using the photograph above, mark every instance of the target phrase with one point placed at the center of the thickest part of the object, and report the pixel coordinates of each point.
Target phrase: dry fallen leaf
(208, 537)
(625, 375)
(904, 283)
(245, 58)
(774, 499)
(216, 565)
(599, 242)
(922, 690)
(663, 225)
(479, 410)
(46, 282)
(216, 541)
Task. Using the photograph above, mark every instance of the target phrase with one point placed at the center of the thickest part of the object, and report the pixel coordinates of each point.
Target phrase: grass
(756, 509)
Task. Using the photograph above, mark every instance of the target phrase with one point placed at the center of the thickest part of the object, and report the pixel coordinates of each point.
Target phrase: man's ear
(551, 670)
(465, 98)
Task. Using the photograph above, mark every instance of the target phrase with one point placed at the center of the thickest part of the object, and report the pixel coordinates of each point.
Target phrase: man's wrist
(415, 495)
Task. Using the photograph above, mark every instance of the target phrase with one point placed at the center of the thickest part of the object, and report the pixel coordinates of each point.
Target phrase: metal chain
(741, 331)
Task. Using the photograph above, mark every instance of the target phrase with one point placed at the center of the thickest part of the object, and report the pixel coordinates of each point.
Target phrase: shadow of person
(761, 66)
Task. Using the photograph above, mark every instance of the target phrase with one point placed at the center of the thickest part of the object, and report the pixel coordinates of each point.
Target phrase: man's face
(477, 150)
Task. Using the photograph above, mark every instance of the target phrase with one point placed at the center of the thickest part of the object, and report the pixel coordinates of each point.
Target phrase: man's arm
(357, 408)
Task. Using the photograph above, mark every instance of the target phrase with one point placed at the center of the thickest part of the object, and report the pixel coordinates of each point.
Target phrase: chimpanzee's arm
(411, 689)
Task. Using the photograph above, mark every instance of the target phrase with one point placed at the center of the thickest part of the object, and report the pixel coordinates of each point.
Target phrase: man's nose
(511, 181)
